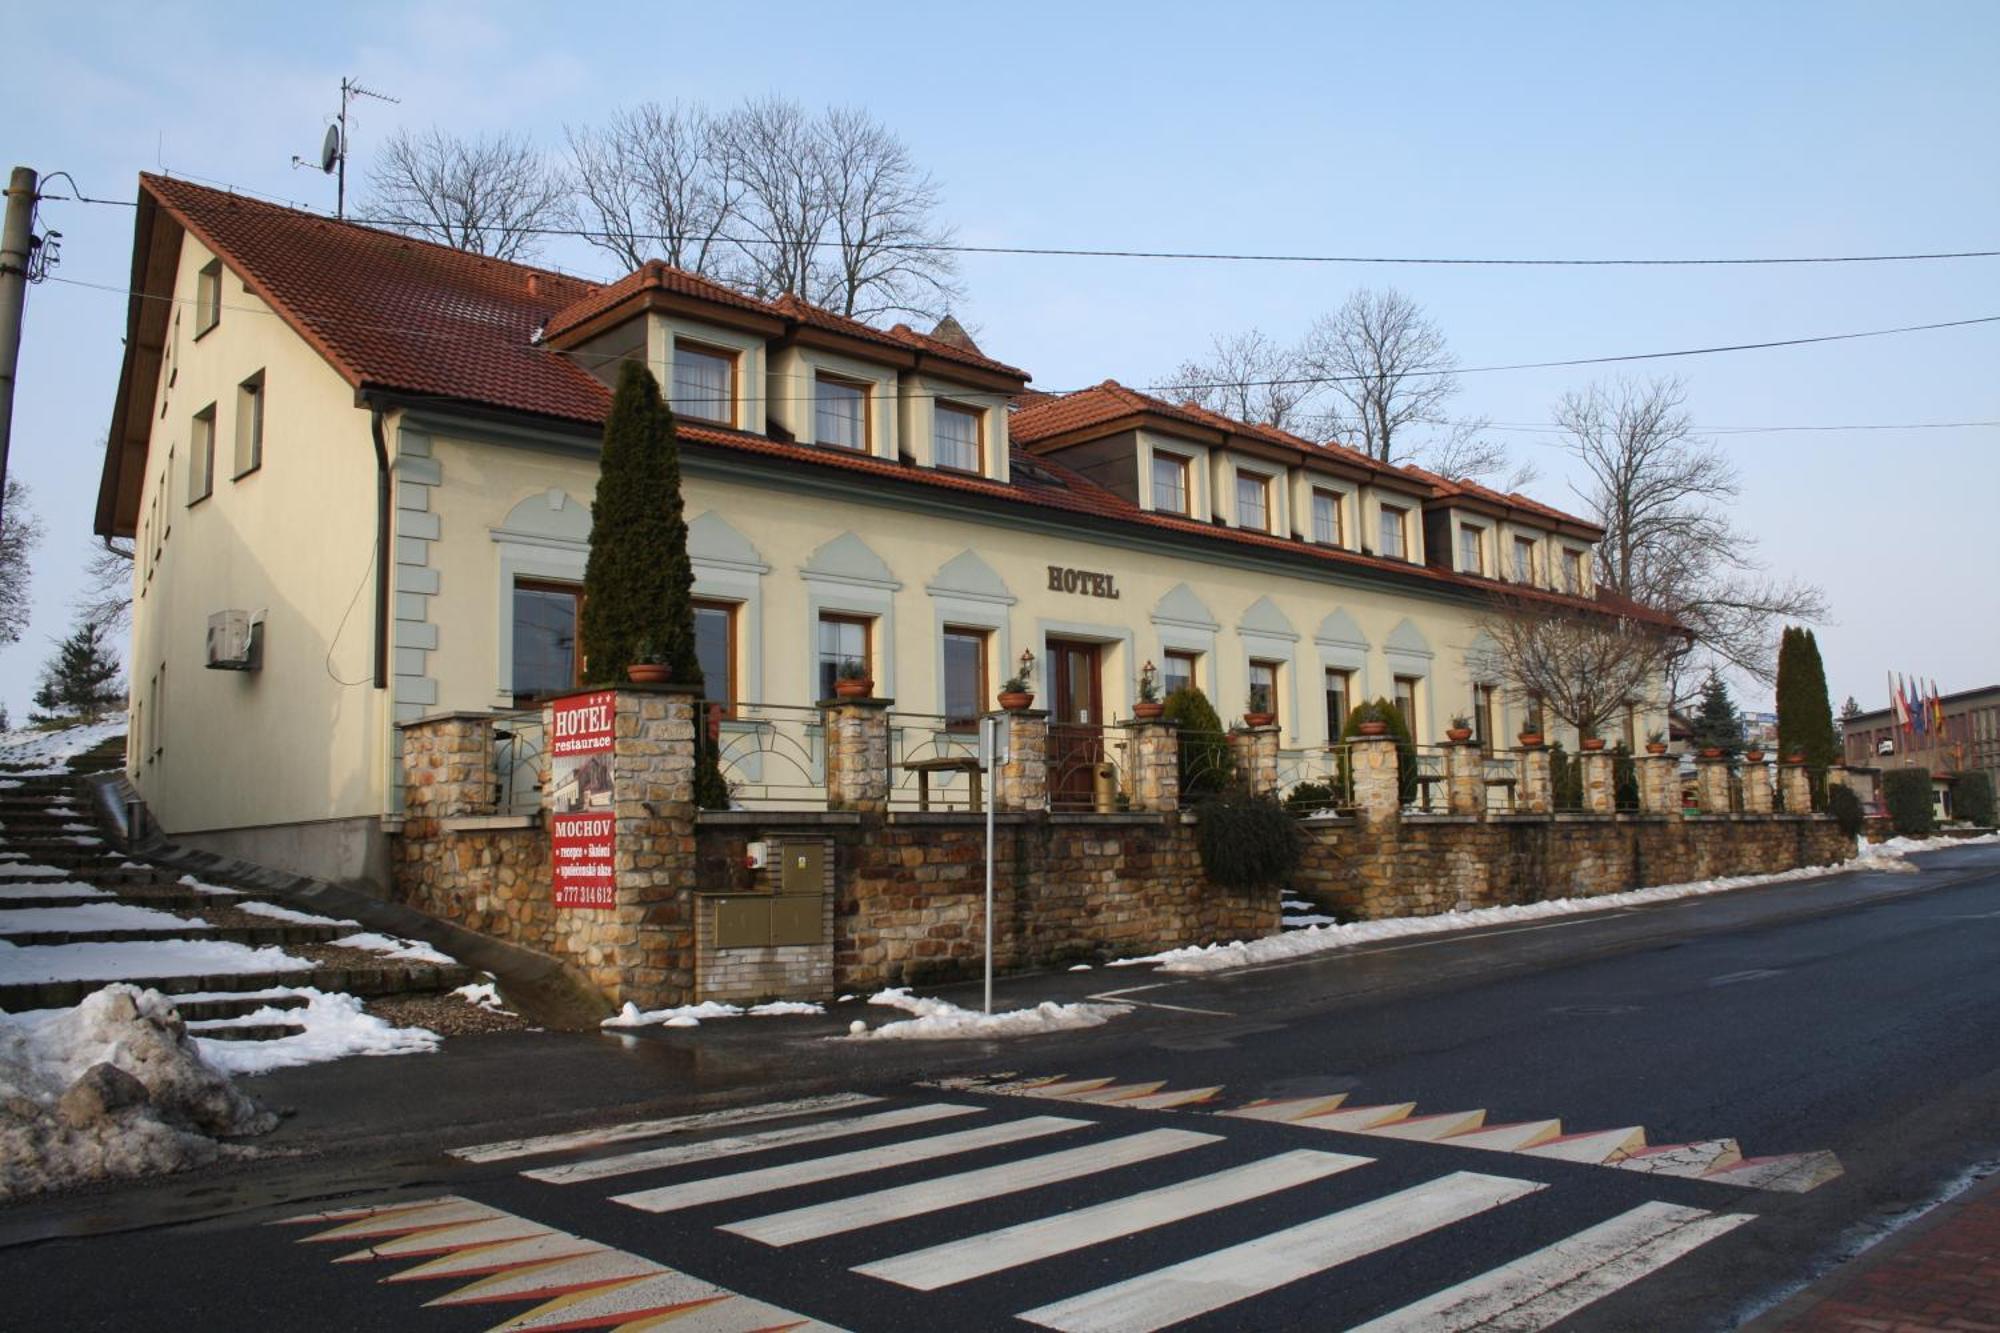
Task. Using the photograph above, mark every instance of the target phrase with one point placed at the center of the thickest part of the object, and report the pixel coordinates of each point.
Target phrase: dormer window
(1170, 483)
(1471, 549)
(1392, 532)
(1573, 572)
(705, 383)
(955, 438)
(1253, 501)
(1326, 519)
(841, 413)
(1524, 560)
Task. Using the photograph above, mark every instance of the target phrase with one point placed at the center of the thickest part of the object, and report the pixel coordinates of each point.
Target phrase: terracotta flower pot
(1016, 701)
(1711, 752)
(1795, 759)
(1592, 744)
(1656, 747)
(1373, 728)
(1458, 735)
(647, 673)
(854, 689)
(1753, 756)
(1259, 719)
(1530, 739)
(1143, 709)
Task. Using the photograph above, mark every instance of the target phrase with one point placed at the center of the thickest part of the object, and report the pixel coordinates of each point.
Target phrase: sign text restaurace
(1084, 581)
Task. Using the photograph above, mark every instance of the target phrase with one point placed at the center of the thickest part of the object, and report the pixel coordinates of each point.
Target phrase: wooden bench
(923, 768)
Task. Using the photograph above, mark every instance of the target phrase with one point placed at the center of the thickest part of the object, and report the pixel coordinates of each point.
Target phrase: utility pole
(16, 242)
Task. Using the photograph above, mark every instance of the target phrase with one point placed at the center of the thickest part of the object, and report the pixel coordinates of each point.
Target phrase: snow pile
(113, 1087)
(140, 958)
(691, 1015)
(336, 1026)
(191, 882)
(394, 947)
(22, 870)
(1888, 856)
(92, 916)
(257, 907)
(51, 751)
(484, 995)
(940, 1020)
(64, 889)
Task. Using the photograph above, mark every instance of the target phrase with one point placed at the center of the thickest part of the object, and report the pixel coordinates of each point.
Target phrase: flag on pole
(1917, 709)
(1937, 709)
(1896, 704)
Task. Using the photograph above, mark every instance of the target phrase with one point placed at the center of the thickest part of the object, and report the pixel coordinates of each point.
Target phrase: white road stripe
(667, 1198)
(1552, 1283)
(508, 1149)
(1224, 1277)
(1009, 1247)
(928, 1196)
(680, 1154)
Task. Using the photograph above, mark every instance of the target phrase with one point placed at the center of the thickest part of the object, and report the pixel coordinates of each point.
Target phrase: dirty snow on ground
(51, 751)
(91, 916)
(409, 950)
(20, 870)
(63, 889)
(484, 994)
(140, 958)
(940, 1020)
(257, 908)
(1888, 856)
(199, 887)
(692, 1015)
(113, 1087)
(336, 1026)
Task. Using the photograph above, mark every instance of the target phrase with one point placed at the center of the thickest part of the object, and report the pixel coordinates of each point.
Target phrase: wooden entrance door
(1076, 722)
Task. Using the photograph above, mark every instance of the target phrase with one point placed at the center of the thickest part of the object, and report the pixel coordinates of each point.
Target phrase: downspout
(381, 549)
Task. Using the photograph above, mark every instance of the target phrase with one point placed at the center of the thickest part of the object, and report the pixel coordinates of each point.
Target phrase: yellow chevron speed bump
(572, 1283)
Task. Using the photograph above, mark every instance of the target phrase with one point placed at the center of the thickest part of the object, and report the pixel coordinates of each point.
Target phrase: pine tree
(638, 585)
(1805, 714)
(1717, 724)
(82, 677)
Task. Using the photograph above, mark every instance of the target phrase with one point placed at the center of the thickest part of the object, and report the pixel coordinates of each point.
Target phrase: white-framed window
(1253, 501)
(250, 425)
(1170, 483)
(1392, 532)
(1326, 518)
(956, 438)
(1471, 549)
(704, 383)
(840, 415)
(208, 297)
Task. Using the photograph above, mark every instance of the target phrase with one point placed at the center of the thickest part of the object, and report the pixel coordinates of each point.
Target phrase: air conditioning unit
(234, 640)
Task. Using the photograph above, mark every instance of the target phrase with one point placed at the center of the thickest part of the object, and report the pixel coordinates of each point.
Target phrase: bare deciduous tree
(106, 596)
(1463, 453)
(20, 530)
(491, 197)
(1387, 368)
(657, 182)
(1660, 492)
(1583, 668)
(1249, 377)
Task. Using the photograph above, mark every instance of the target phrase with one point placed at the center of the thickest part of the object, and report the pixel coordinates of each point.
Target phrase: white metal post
(989, 735)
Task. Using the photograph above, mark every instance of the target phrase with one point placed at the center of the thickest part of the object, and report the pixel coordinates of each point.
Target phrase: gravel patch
(446, 1015)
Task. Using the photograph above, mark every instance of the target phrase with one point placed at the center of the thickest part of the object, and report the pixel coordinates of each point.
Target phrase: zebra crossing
(1091, 1219)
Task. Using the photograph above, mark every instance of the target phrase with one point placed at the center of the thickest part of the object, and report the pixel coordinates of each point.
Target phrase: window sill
(246, 472)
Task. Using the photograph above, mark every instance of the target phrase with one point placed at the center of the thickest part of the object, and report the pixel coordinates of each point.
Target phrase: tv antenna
(333, 148)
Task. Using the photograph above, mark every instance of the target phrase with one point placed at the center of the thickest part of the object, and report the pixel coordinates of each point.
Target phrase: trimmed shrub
(1207, 766)
(1246, 841)
(1907, 794)
(1972, 798)
(1382, 710)
(1845, 807)
(1624, 778)
(1310, 798)
(1565, 778)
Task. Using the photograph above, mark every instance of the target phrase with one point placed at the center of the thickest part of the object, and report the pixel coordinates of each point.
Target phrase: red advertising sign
(581, 822)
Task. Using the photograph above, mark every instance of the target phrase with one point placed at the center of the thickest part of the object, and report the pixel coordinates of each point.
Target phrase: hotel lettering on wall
(1084, 582)
(582, 825)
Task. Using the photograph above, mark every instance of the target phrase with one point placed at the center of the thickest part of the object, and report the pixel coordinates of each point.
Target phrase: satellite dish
(329, 149)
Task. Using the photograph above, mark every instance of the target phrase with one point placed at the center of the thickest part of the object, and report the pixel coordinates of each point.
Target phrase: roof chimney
(950, 331)
(534, 284)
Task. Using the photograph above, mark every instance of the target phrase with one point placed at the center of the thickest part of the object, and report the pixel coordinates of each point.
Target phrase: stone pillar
(1464, 778)
(448, 766)
(1533, 792)
(1659, 784)
(857, 754)
(1600, 788)
(1023, 782)
(1756, 787)
(1155, 759)
(1255, 750)
(1711, 785)
(1377, 786)
(1797, 788)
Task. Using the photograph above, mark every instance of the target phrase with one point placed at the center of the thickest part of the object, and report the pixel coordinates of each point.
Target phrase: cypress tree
(1717, 724)
(1805, 713)
(638, 585)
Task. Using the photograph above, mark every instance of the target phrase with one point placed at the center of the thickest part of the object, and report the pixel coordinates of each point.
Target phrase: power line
(601, 236)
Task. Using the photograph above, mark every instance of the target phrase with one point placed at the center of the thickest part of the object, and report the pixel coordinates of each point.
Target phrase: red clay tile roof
(900, 336)
(653, 275)
(1450, 486)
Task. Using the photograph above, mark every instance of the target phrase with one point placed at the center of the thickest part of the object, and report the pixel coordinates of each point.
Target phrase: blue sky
(1541, 130)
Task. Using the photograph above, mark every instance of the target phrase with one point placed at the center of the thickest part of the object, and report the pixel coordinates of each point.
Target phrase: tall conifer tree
(1805, 712)
(1717, 724)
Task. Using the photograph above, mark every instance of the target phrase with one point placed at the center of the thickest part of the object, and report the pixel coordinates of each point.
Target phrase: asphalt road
(1858, 1015)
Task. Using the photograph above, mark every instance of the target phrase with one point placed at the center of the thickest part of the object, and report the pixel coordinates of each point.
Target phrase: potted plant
(1711, 752)
(1460, 730)
(1753, 756)
(1656, 742)
(852, 681)
(1149, 704)
(1257, 708)
(649, 665)
(1016, 695)
(1590, 744)
(1369, 720)
(1529, 738)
